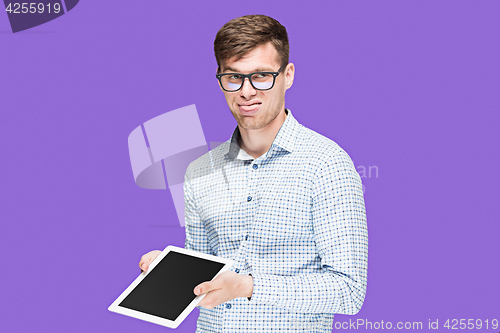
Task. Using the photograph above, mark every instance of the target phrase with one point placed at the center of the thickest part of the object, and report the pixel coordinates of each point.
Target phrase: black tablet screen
(168, 289)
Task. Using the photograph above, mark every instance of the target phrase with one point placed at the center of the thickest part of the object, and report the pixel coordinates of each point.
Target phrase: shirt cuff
(266, 289)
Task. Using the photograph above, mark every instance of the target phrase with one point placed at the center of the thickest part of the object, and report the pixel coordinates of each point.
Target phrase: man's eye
(234, 77)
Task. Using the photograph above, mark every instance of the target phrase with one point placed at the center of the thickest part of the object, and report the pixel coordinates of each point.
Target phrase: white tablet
(164, 294)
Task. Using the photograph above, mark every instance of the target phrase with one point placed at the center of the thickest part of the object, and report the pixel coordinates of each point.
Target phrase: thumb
(202, 288)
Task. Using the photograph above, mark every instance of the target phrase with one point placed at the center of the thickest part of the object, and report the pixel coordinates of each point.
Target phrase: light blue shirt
(294, 219)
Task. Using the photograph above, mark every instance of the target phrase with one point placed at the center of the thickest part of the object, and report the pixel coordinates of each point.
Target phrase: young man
(283, 201)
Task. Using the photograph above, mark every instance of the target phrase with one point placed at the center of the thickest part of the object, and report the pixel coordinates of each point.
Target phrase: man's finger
(144, 267)
(213, 299)
(206, 302)
(202, 288)
(205, 287)
(142, 261)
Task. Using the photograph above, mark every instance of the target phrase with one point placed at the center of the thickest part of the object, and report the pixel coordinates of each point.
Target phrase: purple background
(411, 87)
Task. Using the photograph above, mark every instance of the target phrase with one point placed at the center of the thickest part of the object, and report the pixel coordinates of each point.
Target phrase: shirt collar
(285, 139)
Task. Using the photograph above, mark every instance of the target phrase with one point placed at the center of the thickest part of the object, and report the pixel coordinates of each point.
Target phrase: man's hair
(243, 34)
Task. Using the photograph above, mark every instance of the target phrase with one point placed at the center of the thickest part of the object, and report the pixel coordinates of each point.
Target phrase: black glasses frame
(249, 76)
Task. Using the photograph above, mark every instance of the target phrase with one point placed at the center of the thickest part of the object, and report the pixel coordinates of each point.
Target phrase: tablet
(164, 294)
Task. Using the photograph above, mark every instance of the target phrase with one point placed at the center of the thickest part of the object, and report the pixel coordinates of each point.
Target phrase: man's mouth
(248, 107)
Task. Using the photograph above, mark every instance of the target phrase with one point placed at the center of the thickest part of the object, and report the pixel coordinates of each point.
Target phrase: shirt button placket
(252, 176)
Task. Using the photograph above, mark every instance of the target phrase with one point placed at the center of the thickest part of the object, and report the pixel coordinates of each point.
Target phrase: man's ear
(289, 73)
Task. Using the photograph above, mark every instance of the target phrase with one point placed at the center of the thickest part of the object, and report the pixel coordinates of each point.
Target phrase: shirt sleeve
(196, 236)
(340, 231)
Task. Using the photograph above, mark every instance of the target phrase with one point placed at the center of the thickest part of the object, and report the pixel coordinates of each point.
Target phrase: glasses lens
(231, 82)
(262, 80)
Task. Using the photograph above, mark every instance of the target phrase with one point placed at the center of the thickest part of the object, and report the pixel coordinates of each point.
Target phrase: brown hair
(243, 34)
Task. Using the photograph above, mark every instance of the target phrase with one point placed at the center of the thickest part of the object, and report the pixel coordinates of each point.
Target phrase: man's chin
(247, 125)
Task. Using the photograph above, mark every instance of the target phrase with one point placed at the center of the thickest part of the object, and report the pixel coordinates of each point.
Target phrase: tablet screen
(168, 288)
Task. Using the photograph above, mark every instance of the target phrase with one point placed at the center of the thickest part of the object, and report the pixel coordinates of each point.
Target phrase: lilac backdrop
(410, 88)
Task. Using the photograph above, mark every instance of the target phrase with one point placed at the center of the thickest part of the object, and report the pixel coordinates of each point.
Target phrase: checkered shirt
(294, 219)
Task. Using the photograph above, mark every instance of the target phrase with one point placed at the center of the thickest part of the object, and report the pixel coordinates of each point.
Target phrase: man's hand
(223, 288)
(148, 259)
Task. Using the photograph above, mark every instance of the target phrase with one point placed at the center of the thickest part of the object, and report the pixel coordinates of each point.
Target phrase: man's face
(255, 109)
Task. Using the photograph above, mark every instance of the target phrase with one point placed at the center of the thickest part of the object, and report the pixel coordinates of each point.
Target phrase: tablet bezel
(115, 307)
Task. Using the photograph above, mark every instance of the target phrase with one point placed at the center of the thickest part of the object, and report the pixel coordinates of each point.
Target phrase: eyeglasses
(232, 82)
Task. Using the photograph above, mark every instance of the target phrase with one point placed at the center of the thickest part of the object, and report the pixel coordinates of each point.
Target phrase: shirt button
(255, 166)
(249, 199)
(246, 237)
(228, 306)
(237, 270)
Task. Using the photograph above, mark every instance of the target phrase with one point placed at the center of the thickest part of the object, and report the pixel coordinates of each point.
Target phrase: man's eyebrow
(230, 69)
(258, 69)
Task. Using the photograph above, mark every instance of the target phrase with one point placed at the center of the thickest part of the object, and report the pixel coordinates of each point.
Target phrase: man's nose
(247, 90)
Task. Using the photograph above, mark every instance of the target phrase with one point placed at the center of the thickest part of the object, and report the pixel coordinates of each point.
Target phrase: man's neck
(258, 141)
